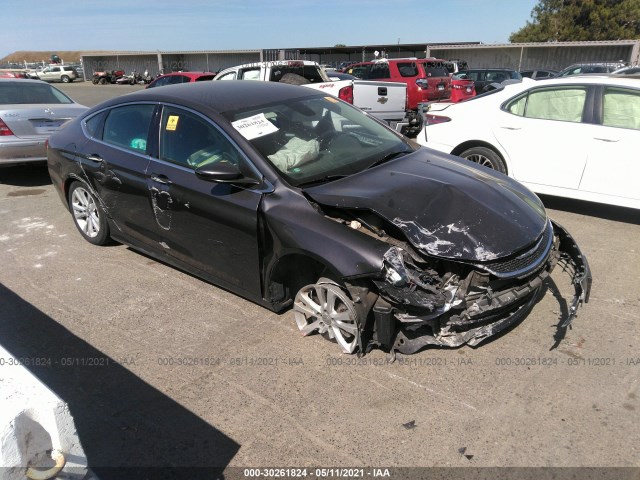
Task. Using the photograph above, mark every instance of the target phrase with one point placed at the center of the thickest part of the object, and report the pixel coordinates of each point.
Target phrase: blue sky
(251, 24)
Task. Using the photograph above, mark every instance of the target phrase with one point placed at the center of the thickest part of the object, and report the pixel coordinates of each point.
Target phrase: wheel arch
(291, 272)
(67, 186)
(480, 143)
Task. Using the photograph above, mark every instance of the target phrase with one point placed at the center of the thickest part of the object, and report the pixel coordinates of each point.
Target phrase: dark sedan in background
(290, 197)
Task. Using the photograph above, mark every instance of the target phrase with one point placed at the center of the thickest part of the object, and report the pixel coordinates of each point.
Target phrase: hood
(447, 207)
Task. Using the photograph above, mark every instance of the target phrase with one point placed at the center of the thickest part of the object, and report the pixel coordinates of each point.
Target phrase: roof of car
(217, 96)
(604, 79)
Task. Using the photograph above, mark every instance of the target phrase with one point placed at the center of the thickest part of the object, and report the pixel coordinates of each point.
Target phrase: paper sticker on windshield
(254, 127)
(331, 99)
(172, 122)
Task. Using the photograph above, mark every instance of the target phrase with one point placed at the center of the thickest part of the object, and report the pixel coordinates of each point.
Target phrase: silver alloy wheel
(481, 160)
(326, 308)
(85, 212)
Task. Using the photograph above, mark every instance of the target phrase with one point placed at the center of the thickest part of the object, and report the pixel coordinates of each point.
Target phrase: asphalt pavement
(161, 369)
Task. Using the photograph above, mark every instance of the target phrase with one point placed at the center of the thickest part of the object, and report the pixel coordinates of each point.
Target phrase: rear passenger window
(227, 76)
(435, 70)
(378, 70)
(95, 124)
(128, 127)
(408, 69)
(251, 74)
(621, 108)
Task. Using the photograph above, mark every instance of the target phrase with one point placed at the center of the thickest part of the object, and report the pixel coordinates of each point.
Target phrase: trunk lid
(29, 121)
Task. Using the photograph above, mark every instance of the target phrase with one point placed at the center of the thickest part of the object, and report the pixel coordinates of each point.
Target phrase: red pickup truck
(427, 79)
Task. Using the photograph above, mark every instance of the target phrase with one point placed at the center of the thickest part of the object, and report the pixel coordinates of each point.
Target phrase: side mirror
(224, 172)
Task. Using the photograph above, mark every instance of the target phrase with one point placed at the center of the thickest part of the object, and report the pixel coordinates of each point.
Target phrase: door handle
(161, 179)
(608, 140)
(95, 158)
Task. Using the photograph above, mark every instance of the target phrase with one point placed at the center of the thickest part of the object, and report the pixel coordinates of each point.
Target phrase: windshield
(25, 92)
(317, 139)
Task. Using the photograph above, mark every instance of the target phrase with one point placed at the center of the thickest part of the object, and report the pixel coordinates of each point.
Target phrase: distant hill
(31, 57)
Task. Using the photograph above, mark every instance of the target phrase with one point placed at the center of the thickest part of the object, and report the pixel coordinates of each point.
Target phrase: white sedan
(573, 137)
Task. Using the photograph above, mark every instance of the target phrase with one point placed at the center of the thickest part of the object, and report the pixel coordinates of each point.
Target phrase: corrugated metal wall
(167, 62)
(519, 57)
(531, 57)
(330, 58)
(128, 63)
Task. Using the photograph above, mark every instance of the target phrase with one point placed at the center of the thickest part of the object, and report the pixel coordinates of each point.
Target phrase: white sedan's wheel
(324, 307)
(486, 157)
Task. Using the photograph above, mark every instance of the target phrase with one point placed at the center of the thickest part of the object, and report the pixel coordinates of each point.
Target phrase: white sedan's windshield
(316, 139)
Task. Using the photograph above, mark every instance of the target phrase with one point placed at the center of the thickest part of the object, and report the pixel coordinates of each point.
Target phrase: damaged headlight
(394, 269)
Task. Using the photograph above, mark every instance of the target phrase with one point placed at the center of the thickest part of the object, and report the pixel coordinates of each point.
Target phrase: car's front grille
(523, 263)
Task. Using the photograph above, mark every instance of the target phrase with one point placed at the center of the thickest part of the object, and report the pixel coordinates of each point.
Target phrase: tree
(580, 20)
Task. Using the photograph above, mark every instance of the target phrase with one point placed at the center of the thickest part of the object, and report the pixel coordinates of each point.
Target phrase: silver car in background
(30, 111)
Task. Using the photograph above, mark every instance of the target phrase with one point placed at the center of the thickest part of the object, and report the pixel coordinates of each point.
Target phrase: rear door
(543, 132)
(114, 161)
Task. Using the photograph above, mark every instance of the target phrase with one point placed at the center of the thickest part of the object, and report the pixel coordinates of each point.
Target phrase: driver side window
(189, 140)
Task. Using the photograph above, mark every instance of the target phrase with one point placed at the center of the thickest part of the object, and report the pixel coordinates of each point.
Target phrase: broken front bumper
(469, 315)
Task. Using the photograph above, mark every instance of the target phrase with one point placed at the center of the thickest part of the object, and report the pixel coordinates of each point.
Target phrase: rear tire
(64, 79)
(486, 157)
(89, 218)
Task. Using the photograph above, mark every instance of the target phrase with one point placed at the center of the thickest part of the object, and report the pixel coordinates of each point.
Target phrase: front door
(543, 133)
(212, 227)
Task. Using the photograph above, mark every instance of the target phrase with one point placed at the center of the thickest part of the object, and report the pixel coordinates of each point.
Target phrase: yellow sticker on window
(331, 99)
(172, 122)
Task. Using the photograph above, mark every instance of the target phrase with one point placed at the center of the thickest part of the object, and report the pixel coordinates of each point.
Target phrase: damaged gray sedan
(292, 198)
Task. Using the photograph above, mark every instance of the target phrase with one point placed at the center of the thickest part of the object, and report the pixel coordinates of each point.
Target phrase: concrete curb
(35, 425)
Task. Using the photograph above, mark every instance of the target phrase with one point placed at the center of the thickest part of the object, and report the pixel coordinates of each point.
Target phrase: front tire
(326, 308)
(486, 157)
(88, 216)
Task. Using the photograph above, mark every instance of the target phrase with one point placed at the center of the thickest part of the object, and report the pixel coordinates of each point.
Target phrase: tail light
(46, 144)
(435, 119)
(346, 94)
(4, 129)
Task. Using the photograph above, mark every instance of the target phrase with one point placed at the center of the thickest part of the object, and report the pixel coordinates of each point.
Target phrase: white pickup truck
(386, 101)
